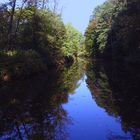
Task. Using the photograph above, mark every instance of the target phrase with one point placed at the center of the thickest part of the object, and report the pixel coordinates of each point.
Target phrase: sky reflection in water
(89, 120)
(83, 102)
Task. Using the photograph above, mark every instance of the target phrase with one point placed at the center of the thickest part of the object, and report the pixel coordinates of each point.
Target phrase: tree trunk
(11, 23)
(19, 18)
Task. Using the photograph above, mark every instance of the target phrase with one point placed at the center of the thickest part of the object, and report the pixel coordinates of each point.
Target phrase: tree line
(114, 31)
(32, 35)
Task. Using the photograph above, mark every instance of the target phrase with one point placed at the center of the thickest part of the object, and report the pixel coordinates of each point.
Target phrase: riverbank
(35, 39)
(91, 96)
(19, 65)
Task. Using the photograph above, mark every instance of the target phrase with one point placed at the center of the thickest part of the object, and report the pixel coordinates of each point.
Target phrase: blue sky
(78, 12)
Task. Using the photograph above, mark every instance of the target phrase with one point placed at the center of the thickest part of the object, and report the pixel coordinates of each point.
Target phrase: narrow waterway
(84, 102)
(89, 121)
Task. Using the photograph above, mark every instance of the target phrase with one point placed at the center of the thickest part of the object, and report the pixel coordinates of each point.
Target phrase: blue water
(88, 120)
(74, 104)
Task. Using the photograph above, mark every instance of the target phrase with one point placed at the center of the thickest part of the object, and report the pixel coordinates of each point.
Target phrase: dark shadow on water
(33, 109)
(116, 88)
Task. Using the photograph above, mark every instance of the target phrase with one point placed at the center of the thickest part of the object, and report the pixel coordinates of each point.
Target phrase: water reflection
(32, 109)
(115, 87)
(59, 106)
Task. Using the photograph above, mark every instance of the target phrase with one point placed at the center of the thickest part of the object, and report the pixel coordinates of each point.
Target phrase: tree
(72, 41)
(13, 6)
(116, 32)
(4, 15)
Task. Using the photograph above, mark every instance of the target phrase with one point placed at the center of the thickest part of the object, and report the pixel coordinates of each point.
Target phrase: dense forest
(113, 43)
(33, 38)
(114, 31)
(116, 89)
(56, 83)
(35, 105)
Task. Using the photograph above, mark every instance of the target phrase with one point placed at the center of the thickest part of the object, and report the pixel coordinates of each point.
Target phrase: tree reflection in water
(33, 109)
(115, 87)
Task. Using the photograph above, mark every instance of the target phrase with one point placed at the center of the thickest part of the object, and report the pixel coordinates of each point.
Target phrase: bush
(21, 65)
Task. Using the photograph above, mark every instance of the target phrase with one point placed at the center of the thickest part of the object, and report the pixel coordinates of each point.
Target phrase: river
(88, 101)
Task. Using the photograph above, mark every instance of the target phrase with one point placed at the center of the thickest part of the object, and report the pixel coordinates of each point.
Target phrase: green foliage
(90, 35)
(124, 37)
(3, 24)
(73, 43)
(99, 27)
(72, 75)
(19, 64)
(110, 30)
(30, 27)
(46, 31)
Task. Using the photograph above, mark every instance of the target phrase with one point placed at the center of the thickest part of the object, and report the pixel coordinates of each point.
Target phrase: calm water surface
(89, 120)
(84, 102)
